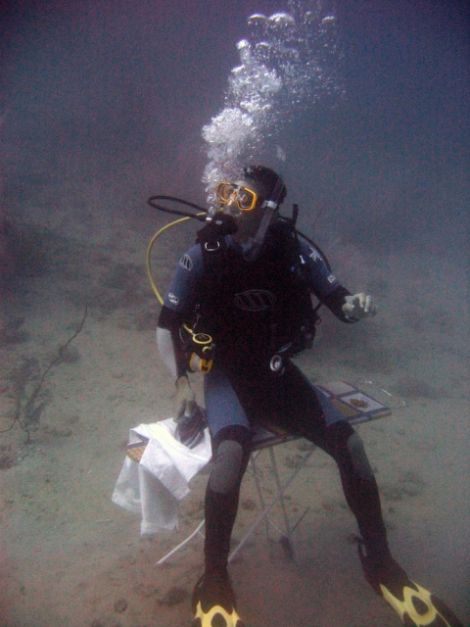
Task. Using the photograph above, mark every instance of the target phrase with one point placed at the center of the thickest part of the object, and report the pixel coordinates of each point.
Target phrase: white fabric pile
(154, 487)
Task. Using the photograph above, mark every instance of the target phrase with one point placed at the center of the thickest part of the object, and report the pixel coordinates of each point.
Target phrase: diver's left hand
(359, 306)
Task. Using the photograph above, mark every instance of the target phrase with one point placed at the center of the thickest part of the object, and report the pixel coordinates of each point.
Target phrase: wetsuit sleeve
(323, 282)
(178, 306)
(182, 292)
(169, 344)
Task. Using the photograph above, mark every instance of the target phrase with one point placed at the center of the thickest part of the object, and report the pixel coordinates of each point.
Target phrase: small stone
(120, 606)
(174, 596)
(69, 354)
(7, 460)
(249, 505)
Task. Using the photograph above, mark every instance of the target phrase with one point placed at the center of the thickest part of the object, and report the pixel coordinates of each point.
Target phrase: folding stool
(353, 404)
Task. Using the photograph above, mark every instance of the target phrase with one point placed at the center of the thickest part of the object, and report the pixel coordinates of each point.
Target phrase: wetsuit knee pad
(231, 448)
(336, 437)
(359, 458)
(346, 446)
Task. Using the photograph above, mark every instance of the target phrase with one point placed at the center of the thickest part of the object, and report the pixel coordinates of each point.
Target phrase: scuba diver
(239, 308)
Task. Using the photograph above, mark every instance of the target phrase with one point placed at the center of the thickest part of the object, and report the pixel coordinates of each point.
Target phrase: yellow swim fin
(213, 603)
(216, 615)
(417, 607)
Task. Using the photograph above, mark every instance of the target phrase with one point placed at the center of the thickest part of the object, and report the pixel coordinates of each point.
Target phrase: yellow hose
(148, 255)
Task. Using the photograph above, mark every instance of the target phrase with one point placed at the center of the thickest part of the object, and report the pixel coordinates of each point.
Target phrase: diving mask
(244, 197)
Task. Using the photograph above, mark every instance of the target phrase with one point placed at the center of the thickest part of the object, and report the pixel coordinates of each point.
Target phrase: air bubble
(287, 62)
(243, 45)
(281, 20)
(257, 19)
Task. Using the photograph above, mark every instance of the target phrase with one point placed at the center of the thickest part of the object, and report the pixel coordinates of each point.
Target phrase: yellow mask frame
(245, 197)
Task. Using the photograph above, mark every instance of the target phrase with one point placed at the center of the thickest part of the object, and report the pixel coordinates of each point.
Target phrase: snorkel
(252, 246)
(272, 192)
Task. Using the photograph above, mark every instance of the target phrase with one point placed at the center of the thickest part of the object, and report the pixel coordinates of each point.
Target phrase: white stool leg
(265, 513)
(163, 559)
(253, 457)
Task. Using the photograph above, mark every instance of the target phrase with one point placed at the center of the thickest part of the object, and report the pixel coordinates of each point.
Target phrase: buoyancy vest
(259, 311)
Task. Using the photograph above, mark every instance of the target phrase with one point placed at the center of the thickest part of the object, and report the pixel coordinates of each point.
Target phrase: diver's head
(257, 189)
(272, 190)
(253, 202)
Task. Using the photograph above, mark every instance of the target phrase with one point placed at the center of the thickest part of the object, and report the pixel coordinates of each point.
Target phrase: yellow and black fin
(216, 615)
(417, 607)
(213, 603)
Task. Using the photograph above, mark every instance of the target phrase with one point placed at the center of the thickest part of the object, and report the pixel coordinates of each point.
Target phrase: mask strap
(269, 204)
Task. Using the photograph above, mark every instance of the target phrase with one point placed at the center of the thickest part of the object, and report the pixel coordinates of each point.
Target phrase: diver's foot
(213, 602)
(416, 606)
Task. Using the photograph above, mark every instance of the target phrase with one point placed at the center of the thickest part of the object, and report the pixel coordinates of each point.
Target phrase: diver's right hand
(184, 398)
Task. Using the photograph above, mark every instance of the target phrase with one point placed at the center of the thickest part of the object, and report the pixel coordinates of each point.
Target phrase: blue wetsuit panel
(223, 407)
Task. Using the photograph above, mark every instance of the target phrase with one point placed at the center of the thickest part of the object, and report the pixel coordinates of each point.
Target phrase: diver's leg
(231, 453)
(301, 410)
(231, 438)
(359, 486)
(415, 605)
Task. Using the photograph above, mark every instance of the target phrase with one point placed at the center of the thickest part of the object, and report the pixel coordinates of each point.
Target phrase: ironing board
(353, 404)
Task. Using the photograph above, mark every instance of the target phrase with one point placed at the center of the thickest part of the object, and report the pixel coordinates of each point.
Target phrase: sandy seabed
(71, 557)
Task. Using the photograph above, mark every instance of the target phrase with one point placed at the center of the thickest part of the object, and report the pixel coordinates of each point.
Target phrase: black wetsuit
(253, 309)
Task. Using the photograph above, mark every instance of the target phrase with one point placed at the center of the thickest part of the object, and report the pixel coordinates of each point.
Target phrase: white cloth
(153, 487)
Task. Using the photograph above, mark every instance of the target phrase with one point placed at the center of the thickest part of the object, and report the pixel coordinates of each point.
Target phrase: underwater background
(103, 104)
